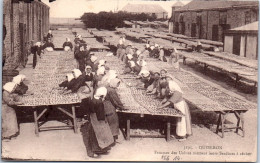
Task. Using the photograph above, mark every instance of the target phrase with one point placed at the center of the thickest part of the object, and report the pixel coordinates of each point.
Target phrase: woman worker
(49, 46)
(36, 50)
(80, 57)
(10, 127)
(111, 103)
(174, 99)
(21, 88)
(67, 45)
(96, 133)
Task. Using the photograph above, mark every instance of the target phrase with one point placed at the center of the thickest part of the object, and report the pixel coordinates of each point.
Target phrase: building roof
(144, 8)
(209, 4)
(178, 4)
(249, 28)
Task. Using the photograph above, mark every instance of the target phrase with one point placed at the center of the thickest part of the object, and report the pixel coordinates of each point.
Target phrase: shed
(243, 41)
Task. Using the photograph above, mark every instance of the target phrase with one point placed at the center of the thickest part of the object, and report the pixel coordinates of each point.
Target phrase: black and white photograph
(130, 80)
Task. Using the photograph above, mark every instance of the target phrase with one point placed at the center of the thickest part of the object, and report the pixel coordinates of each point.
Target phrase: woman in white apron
(174, 98)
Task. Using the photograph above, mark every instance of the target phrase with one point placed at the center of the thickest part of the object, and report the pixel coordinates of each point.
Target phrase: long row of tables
(205, 97)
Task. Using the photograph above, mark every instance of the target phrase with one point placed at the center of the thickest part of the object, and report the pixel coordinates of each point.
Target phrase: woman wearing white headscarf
(9, 120)
(66, 84)
(67, 45)
(77, 83)
(36, 50)
(103, 62)
(96, 133)
(174, 99)
(174, 59)
(21, 88)
(49, 35)
(111, 103)
(111, 74)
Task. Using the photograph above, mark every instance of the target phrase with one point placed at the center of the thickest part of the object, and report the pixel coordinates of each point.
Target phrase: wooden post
(168, 132)
(218, 123)
(74, 119)
(242, 123)
(36, 122)
(128, 129)
(222, 124)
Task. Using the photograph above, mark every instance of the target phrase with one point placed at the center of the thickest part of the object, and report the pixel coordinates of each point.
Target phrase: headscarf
(132, 64)
(9, 87)
(101, 70)
(102, 62)
(114, 82)
(68, 39)
(111, 74)
(38, 44)
(70, 77)
(23, 77)
(156, 45)
(18, 79)
(49, 31)
(144, 73)
(138, 52)
(152, 47)
(79, 36)
(198, 43)
(77, 73)
(141, 63)
(93, 58)
(88, 67)
(101, 91)
(120, 42)
(173, 86)
(147, 45)
(129, 56)
(175, 50)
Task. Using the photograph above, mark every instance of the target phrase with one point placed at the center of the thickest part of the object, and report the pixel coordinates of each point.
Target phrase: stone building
(24, 22)
(209, 19)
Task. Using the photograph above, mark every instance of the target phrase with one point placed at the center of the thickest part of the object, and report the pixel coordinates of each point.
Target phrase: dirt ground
(65, 145)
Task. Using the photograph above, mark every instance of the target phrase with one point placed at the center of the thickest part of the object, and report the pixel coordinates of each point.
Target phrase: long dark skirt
(34, 60)
(81, 65)
(89, 139)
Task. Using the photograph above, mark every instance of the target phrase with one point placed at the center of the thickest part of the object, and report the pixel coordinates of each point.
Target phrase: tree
(110, 20)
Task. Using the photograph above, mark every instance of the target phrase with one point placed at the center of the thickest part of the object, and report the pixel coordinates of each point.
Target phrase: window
(223, 17)
(181, 17)
(247, 17)
(198, 18)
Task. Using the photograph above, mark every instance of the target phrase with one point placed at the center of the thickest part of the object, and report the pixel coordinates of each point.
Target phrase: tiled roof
(249, 27)
(209, 4)
(144, 8)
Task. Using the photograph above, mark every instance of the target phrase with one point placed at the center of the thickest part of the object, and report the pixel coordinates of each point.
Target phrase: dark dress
(36, 50)
(47, 45)
(49, 35)
(80, 57)
(21, 89)
(69, 44)
(111, 103)
(91, 136)
(148, 82)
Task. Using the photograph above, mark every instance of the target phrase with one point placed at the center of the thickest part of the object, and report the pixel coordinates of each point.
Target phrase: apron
(183, 126)
(49, 49)
(102, 131)
(66, 48)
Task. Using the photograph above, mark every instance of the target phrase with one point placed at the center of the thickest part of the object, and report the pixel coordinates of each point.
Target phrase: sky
(76, 8)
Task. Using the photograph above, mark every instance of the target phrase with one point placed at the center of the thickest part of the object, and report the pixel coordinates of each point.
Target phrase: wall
(235, 18)
(19, 18)
(228, 44)
(251, 48)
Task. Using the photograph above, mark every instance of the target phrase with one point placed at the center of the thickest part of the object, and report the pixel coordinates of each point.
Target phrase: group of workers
(159, 84)
(95, 84)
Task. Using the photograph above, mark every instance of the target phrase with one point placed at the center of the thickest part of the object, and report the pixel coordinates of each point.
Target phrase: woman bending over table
(174, 99)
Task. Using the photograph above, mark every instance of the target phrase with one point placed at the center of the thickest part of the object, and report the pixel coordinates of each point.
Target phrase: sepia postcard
(130, 80)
